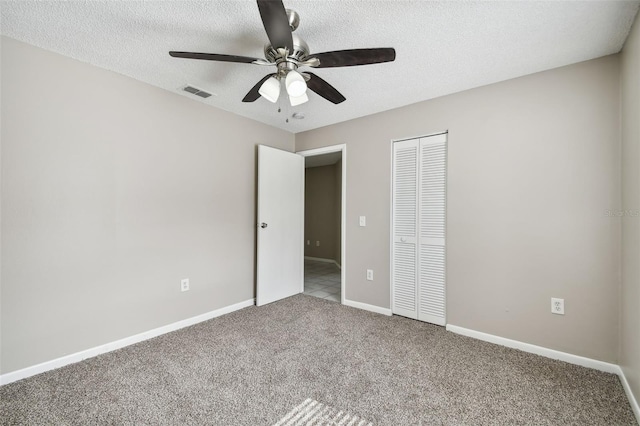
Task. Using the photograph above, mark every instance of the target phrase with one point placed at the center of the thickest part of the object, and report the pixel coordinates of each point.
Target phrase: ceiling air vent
(196, 91)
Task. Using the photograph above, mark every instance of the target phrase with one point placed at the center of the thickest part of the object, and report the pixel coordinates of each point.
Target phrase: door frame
(343, 214)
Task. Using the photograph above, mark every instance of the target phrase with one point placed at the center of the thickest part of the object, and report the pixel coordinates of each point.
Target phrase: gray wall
(319, 211)
(534, 163)
(630, 314)
(112, 191)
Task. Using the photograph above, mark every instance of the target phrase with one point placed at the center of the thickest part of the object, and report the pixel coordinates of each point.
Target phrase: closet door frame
(391, 216)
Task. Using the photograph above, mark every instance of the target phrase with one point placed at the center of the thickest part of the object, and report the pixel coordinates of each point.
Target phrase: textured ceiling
(442, 47)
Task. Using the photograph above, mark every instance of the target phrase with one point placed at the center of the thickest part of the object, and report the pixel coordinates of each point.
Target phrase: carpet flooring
(254, 366)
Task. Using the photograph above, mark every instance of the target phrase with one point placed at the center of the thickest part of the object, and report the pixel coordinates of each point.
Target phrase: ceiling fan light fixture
(270, 89)
(298, 100)
(296, 86)
(288, 52)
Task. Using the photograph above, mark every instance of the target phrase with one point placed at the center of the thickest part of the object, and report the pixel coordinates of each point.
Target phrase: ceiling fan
(289, 52)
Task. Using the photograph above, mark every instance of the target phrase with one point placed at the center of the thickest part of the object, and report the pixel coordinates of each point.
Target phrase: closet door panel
(432, 226)
(404, 280)
(404, 229)
(432, 284)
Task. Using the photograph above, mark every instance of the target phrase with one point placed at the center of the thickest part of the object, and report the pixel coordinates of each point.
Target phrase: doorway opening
(324, 222)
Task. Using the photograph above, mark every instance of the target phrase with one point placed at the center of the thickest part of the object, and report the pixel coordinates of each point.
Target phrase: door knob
(263, 225)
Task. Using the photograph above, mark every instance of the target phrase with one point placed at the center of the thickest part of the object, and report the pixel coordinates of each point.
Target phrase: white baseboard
(538, 350)
(552, 353)
(118, 344)
(321, 259)
(367, 307)
(632, 399)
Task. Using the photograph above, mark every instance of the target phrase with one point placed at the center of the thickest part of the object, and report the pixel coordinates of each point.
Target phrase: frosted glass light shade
(298, 100)
(296, 86)
(270, 89)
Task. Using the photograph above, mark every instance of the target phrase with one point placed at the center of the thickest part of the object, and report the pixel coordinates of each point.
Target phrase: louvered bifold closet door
(405, 228)
(432, 224)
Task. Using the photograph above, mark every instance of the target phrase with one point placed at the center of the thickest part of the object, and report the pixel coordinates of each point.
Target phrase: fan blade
(352, 57)
(214, 57)
(324, 89)
(253, 93)
(276, 23)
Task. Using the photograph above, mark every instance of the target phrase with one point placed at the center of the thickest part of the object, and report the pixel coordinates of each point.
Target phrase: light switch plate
(363, 221)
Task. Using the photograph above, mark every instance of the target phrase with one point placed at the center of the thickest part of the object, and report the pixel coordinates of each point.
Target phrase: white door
(419, 229)
(280, 270)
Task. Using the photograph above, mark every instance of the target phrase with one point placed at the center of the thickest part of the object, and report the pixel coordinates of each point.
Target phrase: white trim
(553, 354)
(627, 389)
(319, 259)
(391, 158)
(322, 150)
(343, 221)
(538, 350)
(343, 226)
(304, 193)
(444, 132)
(366, 307)
(118, 344)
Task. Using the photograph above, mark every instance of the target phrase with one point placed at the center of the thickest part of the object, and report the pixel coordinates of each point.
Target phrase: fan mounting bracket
(294, 19)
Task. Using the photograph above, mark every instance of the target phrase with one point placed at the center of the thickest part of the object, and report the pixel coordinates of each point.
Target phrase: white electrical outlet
(184, 284)
(308, 242)
(363, 221)
(370, 274)
(557, 306)
(317, 243)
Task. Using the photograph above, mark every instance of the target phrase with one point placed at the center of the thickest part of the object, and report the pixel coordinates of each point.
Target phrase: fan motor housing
(300, 51)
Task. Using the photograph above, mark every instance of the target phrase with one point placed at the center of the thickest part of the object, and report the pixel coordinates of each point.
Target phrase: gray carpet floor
(254, 366)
